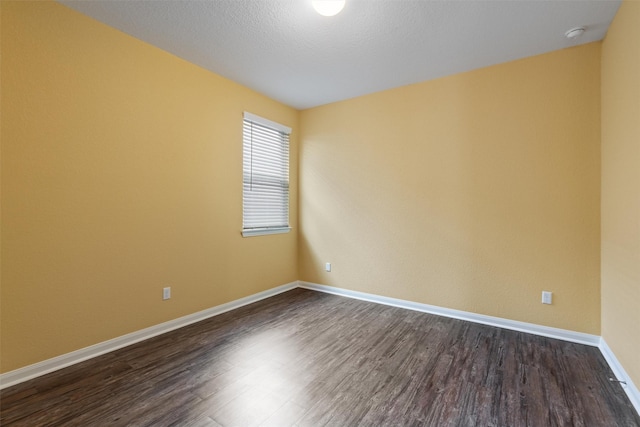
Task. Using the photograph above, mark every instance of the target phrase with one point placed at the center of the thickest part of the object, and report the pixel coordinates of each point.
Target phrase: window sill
(264, 231)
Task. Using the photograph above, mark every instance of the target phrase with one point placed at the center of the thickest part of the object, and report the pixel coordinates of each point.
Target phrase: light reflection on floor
(265, 379)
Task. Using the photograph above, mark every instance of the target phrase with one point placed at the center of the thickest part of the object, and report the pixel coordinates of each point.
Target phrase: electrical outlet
(546, 297)
(166, 293)
(327, 266)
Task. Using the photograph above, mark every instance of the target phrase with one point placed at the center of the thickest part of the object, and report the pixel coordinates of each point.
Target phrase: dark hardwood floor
(311, 359)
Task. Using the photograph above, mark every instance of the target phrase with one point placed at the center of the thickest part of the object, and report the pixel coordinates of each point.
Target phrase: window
(265, 177)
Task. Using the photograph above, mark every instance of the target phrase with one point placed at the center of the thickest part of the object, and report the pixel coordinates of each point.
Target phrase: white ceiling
(285, 50)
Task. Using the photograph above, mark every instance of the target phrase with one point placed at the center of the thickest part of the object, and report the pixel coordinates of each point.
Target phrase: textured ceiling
(285, 50)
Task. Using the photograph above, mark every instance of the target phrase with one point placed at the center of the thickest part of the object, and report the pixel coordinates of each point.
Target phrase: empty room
(320, 213)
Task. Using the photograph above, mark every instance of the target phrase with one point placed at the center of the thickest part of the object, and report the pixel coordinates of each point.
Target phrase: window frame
(285, 132)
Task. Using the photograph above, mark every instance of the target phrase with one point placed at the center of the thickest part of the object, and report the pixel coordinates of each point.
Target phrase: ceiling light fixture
(574, 33)
(328, 7)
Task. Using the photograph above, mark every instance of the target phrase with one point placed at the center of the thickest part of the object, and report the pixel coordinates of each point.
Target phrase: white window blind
(265, 187)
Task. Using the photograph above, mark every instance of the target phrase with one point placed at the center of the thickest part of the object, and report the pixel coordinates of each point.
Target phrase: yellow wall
(121, 174)
(474, 192)
(621, 188)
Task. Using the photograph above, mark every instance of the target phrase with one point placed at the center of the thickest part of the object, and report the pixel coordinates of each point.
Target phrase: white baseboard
(545, 331)
(50, 365)
(621, 375)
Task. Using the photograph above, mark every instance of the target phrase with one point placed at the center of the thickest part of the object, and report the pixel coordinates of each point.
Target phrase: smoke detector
(574, 33)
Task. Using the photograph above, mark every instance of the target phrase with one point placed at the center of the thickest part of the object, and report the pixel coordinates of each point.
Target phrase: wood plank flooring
(305, 358)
